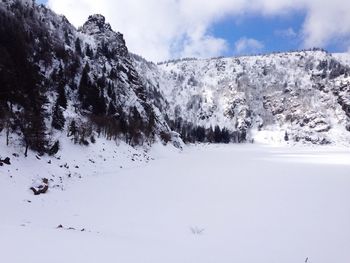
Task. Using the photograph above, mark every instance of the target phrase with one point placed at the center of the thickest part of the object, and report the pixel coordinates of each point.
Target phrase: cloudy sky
(164, 29)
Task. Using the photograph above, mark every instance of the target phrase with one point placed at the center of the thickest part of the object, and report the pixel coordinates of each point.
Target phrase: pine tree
(66, 38)
(89, 52)
(78, 46)
(54, 149)
(34, 131)
(286, 137)
(200, 134)
(110, 91)
(217, 134)
(150, 125)
(58, 119)
(122, 121)
(242, 136)
(135, 126)
(62, 99)
(210, 135)
(225, 135)
(73, 131)
(84, 84)
(98, 104)
(111, 109)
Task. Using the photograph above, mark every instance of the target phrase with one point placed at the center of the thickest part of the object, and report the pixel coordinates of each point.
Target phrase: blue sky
(159, 35)
(272, 32)
(41, 1)
(265, 29)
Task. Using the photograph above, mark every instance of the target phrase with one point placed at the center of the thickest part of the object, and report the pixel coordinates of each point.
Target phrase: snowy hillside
(342, 57)
(59, 80)
(302, 96)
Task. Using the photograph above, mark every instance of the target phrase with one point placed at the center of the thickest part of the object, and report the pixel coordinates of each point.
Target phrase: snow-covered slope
(302, 96)
(342, 57)
(72, 164)
(71, 78)
(228, 203)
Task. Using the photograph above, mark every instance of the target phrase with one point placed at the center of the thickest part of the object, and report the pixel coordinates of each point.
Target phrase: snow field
(217, 203)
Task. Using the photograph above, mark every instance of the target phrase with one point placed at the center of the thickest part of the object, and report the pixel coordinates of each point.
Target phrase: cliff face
(298, 96)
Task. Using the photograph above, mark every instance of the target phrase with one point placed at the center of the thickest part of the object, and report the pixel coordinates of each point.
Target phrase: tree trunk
(26, 151)
(7, 136)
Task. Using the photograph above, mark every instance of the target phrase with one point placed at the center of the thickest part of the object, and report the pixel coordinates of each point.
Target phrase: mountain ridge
(296, 76)
(88, 84)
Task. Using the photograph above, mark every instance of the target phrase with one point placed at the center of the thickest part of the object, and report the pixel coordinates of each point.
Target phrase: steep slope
(57, 80)
(298, 96)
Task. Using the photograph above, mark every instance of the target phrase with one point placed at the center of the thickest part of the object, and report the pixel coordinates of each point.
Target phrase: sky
(166, 29)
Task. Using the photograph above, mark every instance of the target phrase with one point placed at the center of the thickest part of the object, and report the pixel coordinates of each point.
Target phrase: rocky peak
(109, 43)
(96, 24)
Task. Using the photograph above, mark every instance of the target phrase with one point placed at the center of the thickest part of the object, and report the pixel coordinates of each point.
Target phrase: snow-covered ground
(207, 204)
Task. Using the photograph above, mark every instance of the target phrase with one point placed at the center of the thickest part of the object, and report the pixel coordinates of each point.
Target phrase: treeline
(176, 60)
(131, 128)
(193, 133)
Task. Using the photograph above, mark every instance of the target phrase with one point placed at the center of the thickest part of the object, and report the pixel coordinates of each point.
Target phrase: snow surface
(209, 203)
(342, 57)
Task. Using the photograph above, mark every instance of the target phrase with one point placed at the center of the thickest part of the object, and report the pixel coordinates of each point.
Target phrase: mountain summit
(96, 24)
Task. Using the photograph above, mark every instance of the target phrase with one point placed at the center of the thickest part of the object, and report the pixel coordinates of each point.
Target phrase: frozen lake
(209, 204)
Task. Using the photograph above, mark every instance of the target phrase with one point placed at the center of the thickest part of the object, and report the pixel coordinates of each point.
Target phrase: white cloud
(248, 45)
(161, 29)
(326, 21)
(202, 46)
(286, 33)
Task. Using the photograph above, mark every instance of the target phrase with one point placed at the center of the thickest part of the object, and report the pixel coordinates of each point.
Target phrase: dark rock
(41, 189)
(55, 148)
(348, 127)
(5, 161)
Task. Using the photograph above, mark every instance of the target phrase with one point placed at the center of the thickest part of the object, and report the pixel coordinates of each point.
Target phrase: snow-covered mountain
(97, 129)
(84, 83)
(58, 80)
(297, 96)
